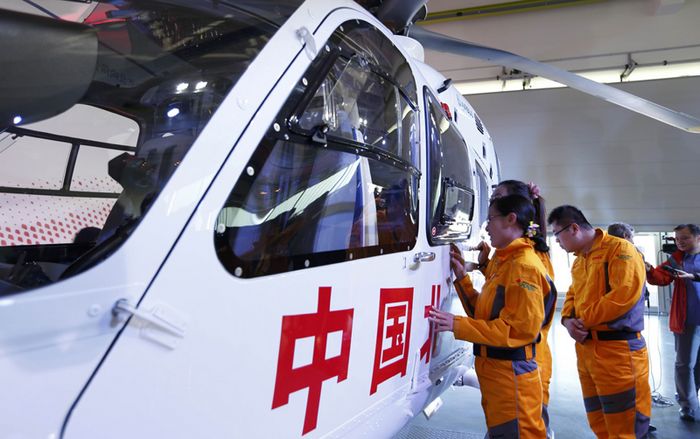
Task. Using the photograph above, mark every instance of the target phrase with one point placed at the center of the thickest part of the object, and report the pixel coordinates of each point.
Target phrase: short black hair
(692, 228)
(567, 214)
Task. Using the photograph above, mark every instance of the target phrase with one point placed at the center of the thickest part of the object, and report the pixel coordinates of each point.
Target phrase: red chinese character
(394, 325)
(312, 376)
(434, 301)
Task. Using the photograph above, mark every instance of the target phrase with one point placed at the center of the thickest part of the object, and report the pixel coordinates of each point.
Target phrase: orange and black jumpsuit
(504, 323)
(607, 294)
(544, 354)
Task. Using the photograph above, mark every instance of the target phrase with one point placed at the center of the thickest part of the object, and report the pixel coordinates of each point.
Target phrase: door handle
(124, 307)
(423, 257)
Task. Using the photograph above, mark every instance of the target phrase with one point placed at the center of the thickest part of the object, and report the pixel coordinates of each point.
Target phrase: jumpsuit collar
(597, 242)
(514, 246)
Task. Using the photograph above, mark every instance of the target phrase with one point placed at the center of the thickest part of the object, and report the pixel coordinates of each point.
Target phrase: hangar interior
(613, 164)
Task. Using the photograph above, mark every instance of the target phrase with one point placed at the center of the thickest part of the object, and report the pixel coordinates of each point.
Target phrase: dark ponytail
(540, 242)
(524, 211)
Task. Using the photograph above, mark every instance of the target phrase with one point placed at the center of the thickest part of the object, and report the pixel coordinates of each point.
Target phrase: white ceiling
(613, 164)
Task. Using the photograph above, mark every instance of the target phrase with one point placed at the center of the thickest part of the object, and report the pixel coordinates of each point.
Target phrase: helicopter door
(450, 215)
(295, 299)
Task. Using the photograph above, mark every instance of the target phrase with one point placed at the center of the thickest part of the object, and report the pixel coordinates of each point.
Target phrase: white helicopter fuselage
(161, 339)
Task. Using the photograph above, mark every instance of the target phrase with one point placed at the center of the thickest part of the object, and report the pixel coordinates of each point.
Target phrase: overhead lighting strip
(607, 76)
(499, 9)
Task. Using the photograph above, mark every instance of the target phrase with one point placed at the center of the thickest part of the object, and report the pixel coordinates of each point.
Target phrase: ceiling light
(607, 76)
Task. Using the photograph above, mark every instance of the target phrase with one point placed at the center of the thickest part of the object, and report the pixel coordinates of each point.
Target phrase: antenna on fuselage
(445, 85)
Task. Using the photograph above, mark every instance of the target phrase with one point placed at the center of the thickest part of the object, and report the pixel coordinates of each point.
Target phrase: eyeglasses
(565, 227)
(490, 217)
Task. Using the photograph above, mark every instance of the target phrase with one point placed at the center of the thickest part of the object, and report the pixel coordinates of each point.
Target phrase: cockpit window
(336, 176)
(72, 187)
(356, 104)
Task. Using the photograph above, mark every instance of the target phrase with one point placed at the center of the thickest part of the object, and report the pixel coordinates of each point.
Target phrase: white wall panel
(614, 164)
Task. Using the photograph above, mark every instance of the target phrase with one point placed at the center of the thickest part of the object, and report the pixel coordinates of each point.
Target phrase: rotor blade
(443, 43)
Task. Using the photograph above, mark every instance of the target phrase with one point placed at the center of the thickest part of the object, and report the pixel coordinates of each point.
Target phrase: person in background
(604, 313)
(544, 354)
(504, 321)
(626, 232)
(683, 269)
(622, 230)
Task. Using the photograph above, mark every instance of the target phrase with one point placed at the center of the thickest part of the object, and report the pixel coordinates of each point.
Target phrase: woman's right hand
(444, 321)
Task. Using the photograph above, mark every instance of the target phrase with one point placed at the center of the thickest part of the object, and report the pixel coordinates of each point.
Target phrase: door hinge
(307, 38)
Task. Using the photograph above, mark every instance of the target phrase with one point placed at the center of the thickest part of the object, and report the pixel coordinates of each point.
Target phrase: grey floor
(460, 416)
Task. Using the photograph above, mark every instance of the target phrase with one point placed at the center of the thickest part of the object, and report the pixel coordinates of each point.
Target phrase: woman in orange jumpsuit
(544, 353)
(504, 322)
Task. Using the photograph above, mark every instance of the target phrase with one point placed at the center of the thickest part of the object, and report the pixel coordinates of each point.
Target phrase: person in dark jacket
(683, 269)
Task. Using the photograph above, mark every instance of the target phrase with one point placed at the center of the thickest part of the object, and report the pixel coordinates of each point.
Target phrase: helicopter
(231, 218)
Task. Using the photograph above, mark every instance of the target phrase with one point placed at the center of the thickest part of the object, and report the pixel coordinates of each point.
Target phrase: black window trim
(76, 143)
(285, 132)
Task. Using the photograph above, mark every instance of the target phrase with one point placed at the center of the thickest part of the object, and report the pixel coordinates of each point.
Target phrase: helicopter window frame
(322, 134)
(484, 186)
(384, 178)
(442, 228)
(68, 187)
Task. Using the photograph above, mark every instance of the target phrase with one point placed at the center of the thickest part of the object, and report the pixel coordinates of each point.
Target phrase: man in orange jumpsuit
(603, 312)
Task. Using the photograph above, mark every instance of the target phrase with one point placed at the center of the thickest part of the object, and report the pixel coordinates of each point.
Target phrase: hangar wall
(614, 164)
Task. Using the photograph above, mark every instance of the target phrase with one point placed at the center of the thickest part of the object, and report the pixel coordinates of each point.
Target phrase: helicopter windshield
(73, 186)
